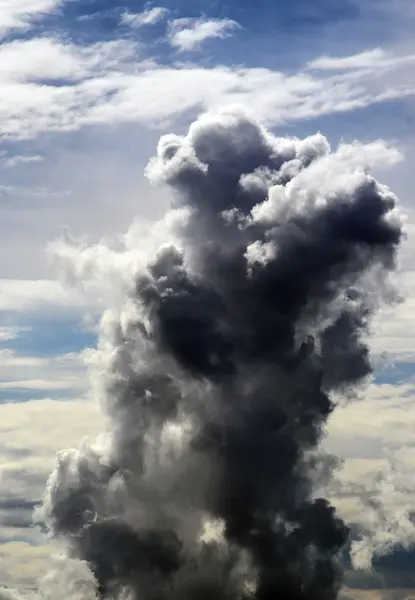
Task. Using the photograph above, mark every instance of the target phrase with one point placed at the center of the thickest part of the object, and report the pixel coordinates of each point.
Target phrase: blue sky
(87, 88)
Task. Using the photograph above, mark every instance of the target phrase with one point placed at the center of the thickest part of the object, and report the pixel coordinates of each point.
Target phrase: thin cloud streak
(188, 34)
(150, 16)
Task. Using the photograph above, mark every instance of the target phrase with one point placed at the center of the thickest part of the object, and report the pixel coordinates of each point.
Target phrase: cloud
(31, 374)
(46, 59)
(375, 487)
(392, 331)
(19, 14)
(10, 162)
(53, 85)
(150, 16)
(377, 58)
(23, 562)
(48, 85)
(188, 34)
(200, 333)
(29, 191)
(31, 295)
(32, 437)
(10, 333)
(30, 440)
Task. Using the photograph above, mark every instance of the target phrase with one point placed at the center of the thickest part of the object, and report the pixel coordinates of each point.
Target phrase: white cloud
(29, 191)
(23, 562)
(46, 58)
(393, 328)
(10, 162)
(188, 34)
(149, 16)
(33, 373)
(17, 295)
(11, 332)
(370, 59)
(18, 14)
(107, 83)
(31, 437)
(382, 413)
(375, 486)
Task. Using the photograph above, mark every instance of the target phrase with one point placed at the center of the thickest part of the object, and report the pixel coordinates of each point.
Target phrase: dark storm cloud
(217, 375)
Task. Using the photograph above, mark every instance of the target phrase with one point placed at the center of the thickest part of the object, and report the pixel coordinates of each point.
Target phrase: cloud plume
(219, 369)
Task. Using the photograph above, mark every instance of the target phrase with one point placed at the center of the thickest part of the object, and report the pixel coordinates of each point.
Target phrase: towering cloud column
(219, 371)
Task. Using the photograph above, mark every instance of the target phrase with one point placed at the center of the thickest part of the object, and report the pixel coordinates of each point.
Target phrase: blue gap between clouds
(49, 336)
(45, 337)
(259, 16)
(397, 373)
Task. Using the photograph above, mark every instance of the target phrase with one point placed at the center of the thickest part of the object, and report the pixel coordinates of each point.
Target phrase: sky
(87, 89)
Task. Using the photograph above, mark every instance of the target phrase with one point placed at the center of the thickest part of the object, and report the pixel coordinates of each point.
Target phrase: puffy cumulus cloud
(187, 34)
(219, 364)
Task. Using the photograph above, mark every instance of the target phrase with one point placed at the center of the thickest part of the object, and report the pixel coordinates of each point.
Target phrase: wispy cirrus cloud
(10, 162)
(8, 332)
(108, 83)
(376, 58)
(46, 59)
(51, 84)
(187, 34)
(149, 16)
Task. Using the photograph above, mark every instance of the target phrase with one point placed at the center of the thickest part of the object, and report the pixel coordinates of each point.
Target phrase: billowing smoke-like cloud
(219, 370)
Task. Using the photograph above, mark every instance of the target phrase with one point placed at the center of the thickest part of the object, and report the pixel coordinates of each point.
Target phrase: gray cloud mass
(218, 373)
